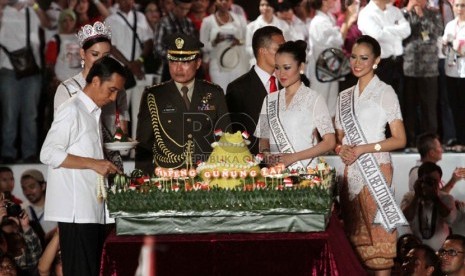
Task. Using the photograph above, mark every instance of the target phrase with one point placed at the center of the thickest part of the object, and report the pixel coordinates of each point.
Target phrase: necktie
(273, 87)
(184, 91)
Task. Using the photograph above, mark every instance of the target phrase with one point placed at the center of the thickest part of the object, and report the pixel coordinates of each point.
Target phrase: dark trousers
(420, 92)
(445, 113)
(455, 91)
(81, 246)
(390, 71)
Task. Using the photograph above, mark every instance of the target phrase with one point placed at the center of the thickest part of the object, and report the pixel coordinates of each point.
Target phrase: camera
(12, 209)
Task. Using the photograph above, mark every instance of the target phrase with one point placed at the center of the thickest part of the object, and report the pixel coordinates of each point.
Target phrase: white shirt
(454, 32)
(72, 86)
(68, 61)
(72, 193)
(264, 78)
(306, 112)
(323, 34)
(13, 33)
(388, 27)
(122, 34)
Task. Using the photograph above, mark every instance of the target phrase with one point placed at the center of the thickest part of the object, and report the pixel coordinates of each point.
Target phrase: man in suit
(244, 96)
(177, 118)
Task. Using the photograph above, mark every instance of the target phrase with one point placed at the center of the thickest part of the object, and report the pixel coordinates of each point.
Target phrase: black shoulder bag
(22, 60)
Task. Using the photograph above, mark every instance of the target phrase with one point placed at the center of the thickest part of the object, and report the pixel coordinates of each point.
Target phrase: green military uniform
(172, 135)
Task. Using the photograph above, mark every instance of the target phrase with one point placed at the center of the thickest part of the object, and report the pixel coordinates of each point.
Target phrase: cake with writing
(230, 162)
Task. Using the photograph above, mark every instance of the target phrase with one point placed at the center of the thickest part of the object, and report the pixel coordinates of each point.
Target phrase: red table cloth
(314, 253)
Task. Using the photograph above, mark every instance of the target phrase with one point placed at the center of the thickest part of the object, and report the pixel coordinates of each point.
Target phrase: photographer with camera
(22, 242)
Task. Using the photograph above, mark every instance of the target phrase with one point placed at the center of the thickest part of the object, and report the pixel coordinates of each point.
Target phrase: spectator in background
(166, 6)
(386, 23)
(34, 186)
(7, 184)
(421, 260)
(429, 211)
(454, 47)
(348, 8)
(452, 256)
(19, 98)
(53, 13)
(430, 150)
(223, 34)
(404, 244)
(175, 21)
(7, 265)
(62, 58)
(129, 23)
(324, 33)
(152, 14)
(421, 69)
(266, 18)
(297, 27)
(199, 10)
(244, 96)
(88, 12)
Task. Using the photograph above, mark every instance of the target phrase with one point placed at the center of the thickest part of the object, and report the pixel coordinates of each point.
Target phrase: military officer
(177, 118)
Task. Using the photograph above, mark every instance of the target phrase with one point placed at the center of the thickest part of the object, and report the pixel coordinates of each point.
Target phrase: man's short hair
(431, 259)
(457, 237)
(104, 68)
(5, 169)
(425, 143)
(262, 37)
(427, 168)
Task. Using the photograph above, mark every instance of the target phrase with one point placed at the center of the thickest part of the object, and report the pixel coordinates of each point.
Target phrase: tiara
(88, 31)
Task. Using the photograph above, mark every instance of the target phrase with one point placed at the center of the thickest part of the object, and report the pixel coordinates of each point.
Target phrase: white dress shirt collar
(264, 77)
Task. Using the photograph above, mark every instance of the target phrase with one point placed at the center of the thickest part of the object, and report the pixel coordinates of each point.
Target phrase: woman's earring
(82, 63)
(375, 66)
(301, 72)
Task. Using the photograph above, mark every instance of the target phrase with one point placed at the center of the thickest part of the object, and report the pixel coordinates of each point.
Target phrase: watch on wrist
(377, 147)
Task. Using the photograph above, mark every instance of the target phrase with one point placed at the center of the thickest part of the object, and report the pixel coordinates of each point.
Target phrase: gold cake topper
(179, 43)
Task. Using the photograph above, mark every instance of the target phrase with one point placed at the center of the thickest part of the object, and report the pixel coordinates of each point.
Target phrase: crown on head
(88, 31)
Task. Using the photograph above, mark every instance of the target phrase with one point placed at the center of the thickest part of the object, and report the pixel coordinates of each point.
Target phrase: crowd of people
(169, 73)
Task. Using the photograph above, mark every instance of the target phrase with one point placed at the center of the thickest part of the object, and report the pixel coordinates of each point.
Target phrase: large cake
(227, 193)
(230, 163)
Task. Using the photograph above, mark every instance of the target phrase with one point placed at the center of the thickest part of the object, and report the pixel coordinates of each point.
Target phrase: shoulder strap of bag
(28, 29)
(135, 36)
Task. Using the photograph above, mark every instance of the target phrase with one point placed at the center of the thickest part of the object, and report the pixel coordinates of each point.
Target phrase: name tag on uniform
(425, 35)
(169, 109)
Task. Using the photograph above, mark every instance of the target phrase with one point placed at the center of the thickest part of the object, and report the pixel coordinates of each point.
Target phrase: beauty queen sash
(389, 214)
(277, 130)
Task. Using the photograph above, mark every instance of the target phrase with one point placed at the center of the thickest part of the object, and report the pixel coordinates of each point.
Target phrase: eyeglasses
(450, 252)
(459, 5)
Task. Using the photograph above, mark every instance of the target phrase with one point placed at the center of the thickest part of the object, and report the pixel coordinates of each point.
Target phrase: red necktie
(273, 87)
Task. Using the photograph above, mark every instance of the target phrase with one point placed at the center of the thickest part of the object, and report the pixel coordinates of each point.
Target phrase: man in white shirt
(386, 23)
(73, 151)
(244, 95)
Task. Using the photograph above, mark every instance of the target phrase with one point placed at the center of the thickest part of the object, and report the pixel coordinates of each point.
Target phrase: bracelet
(35, 7)
(141, 59)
